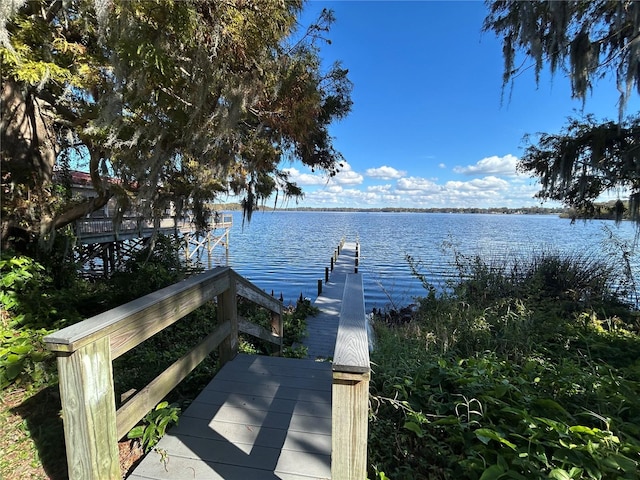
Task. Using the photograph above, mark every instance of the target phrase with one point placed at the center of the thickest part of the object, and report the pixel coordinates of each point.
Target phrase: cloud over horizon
(491, 182)
(385, 173)
(493, 165)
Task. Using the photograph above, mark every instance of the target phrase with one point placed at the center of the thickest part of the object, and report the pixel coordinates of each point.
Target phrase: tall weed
(521, 369)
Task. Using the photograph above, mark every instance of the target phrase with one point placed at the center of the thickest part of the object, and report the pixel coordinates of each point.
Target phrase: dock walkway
(322, 328)
(261, 417)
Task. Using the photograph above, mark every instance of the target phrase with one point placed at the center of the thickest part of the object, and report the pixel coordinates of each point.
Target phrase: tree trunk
(30, 148)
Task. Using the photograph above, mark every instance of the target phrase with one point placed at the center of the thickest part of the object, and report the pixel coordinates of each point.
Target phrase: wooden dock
(322, 328)
(264, 417)
(260, 418)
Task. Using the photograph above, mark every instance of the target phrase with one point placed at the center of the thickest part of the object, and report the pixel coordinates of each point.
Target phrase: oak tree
(170, 103)
(588, 40)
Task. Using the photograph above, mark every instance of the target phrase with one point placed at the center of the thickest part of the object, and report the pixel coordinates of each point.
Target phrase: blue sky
(428, 127)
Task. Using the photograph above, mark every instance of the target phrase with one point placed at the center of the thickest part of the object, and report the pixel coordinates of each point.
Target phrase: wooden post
(332, 264)
(228, 311)
(326, 274)
(349, 425)
(350, 390)
(319, 287)
(88, 412)
(277, 327)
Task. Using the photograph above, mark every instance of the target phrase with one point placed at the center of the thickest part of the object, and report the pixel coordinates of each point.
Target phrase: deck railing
(85, 351)
(92, 226)
(350, 391)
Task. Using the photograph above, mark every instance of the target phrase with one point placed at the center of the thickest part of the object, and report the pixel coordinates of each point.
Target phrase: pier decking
(262, 417)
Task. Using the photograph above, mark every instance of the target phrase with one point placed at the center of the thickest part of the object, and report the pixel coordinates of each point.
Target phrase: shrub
(519, 370)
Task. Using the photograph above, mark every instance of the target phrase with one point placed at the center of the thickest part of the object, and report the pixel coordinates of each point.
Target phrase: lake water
(287, 252)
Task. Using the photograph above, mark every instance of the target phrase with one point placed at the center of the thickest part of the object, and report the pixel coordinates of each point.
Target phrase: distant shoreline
(495, 210)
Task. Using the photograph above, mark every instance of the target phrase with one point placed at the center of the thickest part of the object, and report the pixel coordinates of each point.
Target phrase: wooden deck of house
(271, 417)
(114, 243)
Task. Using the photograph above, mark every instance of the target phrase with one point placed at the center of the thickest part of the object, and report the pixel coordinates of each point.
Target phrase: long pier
(259, 418)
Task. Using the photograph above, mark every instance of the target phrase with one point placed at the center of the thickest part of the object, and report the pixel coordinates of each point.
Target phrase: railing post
(88, 411)
(228, 311)
(349, 425)
(277, 326)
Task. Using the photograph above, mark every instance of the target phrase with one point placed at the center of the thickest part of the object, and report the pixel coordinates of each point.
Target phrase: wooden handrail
(350, 390)
(85, 352)
(127, 224)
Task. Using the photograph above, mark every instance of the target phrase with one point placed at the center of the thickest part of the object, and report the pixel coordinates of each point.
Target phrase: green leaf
(494, 472)
(583, 429)
(575, 472)
(136, 432)
(486, 434)
(21, 349)
(13, 370)
(559, 474)
(415, 428)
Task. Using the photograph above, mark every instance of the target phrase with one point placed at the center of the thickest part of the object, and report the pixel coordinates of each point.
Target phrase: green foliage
(586, 39)
(293, 322)
(155, 425)
(28, 314)
(179, 101)
(154, 267)
(585, 159)
(511, 374)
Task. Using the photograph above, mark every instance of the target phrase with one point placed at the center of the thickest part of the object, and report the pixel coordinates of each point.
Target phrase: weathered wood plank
(350, 390)
(249, 291)
(350, 409)
(257, 331)
(352, 345)
(228, 312)
(271, 431)
(134, 322)
(137, 407)
(86, 392)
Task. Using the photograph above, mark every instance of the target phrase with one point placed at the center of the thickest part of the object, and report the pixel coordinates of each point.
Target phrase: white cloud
(338, 196)
(305, 178)
(490, 183)
(349, 189)
(385, 173)
(416, 185)
(346, 176)
(505, 166)
(381, 189)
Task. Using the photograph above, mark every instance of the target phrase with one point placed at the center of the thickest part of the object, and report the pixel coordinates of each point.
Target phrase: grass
(31, 436)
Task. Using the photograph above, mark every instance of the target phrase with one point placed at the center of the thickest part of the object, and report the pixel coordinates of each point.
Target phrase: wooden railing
(350, 391)
(85, 351)
(92, 226)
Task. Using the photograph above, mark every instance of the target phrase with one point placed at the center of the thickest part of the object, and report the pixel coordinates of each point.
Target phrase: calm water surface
(287, 252)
